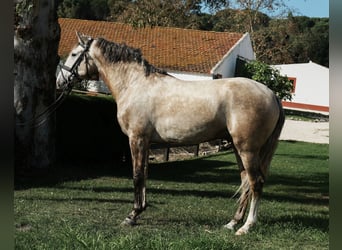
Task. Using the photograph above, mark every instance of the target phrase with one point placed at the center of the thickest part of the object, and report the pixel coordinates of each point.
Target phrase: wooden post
(166, 154)
(197, 150)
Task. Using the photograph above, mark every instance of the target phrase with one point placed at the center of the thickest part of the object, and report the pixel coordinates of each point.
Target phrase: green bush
(269, 76)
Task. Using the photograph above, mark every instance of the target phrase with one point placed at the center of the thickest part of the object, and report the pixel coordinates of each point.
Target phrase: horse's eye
(73, 54)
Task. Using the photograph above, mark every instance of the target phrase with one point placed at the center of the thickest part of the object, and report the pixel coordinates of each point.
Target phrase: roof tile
(174, 49)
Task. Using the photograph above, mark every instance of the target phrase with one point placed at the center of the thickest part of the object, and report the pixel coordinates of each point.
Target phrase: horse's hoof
(128, 222)
(241, 231)
(230, 226)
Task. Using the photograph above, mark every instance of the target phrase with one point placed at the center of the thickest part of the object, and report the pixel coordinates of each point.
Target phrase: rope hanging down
(39, 119)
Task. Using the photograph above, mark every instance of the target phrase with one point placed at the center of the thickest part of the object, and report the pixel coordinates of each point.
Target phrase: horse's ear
(82, 39)
(79, 36)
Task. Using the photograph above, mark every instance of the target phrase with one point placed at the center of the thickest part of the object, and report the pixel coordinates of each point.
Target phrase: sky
(310, 8)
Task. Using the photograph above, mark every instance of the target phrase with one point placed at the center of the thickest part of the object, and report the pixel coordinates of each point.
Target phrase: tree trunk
(36, 38)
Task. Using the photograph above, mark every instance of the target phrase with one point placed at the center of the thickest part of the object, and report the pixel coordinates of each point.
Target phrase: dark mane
(114, 52)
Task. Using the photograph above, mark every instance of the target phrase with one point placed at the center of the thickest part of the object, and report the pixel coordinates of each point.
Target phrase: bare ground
(316, 132)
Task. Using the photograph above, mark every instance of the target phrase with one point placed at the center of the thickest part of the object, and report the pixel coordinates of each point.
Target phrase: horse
(155, 107)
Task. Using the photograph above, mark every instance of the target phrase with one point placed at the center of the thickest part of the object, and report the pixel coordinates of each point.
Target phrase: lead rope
(35, 122)
(38, 120)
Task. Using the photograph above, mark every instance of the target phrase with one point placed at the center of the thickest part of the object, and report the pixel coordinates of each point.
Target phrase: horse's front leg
(139, 151)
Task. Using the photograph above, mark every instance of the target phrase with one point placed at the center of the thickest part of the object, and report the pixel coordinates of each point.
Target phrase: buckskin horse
(154, 107)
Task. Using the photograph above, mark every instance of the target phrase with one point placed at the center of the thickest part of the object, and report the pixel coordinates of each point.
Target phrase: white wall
(98, 86)
(190, 77)
(312, 82)
(243, 48)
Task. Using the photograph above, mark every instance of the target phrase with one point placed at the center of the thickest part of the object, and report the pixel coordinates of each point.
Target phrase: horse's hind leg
(139, 150)
(255, 177)
(244, 197)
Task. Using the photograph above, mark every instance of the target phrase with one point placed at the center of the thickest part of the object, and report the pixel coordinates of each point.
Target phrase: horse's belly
(183, 132)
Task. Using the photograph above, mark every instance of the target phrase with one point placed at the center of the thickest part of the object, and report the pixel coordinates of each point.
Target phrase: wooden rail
(167, 147)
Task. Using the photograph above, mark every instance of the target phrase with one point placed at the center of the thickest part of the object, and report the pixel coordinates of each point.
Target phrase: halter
(73, 69)
(38, 120)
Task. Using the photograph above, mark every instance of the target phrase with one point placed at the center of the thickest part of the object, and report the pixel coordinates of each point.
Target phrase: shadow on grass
(198, 170)
(312, 188)
(296, 198)
(312, 182)
(307, 157)
(303, 187)
(302, 221)
(61, 173)
(295, 189)
(82, 199)
(161, 191)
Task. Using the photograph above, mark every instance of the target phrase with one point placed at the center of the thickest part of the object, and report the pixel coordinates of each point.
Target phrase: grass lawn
(81, 207)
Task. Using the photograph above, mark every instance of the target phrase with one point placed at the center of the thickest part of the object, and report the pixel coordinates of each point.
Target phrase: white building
(311, 86)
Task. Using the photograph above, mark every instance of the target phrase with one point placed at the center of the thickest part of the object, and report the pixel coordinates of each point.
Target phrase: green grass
(81, 207)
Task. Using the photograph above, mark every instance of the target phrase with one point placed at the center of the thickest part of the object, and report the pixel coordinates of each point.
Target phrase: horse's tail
(268, 149)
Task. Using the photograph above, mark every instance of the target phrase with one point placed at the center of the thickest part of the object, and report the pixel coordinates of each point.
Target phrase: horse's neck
(121, 76)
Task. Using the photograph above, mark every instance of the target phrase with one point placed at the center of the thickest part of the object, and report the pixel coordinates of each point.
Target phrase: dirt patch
(181, 153)
(315, 132)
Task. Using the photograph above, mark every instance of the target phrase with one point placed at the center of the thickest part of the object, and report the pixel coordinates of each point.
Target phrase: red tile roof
(172, 49)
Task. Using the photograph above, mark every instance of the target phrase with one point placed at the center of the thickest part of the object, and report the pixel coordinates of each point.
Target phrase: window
(293, 80)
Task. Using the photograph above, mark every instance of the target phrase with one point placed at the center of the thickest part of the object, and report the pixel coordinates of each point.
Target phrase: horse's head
(79, 64)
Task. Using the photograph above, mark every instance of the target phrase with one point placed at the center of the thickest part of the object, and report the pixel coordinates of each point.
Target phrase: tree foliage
(161, 13)
(252, 9)
(269, 76)
(293, 39)
(84, 9)
(230, 20)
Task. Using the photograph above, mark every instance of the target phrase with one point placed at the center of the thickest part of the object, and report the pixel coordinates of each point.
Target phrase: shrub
(269, 76)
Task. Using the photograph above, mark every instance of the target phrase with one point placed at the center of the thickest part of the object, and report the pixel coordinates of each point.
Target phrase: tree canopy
(293, 39)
